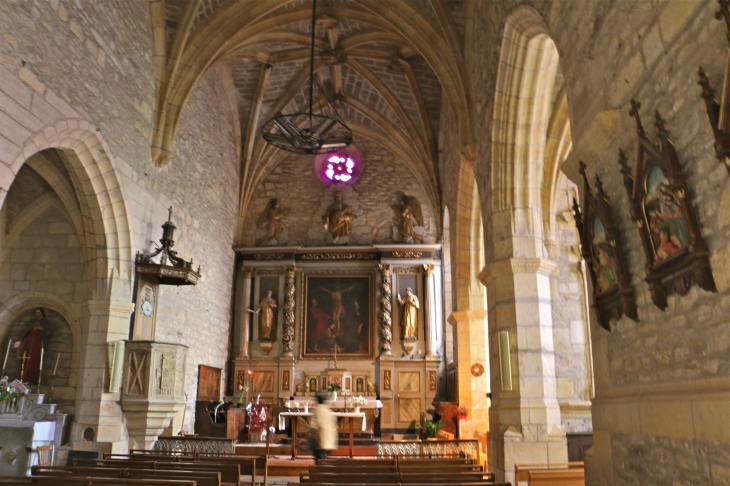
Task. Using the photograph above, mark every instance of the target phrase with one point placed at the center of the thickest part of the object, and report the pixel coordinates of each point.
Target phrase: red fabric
(31, 344)
(257, 416)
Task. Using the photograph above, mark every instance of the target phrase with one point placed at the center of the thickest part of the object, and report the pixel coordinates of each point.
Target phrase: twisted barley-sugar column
(288, 311)
(386, 322)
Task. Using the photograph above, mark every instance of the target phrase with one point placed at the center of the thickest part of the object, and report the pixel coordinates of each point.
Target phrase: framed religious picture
(613, 295)
(337, 316)
(676, 255)
(718, 110)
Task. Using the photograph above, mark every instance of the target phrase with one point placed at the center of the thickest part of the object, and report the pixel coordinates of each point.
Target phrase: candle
(55, 368)
(41, 366)
(7, 353)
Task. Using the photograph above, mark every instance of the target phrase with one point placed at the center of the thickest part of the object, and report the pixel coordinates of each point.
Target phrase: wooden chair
(45, 455)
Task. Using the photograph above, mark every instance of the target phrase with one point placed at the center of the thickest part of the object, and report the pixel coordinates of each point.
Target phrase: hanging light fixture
(307, 133)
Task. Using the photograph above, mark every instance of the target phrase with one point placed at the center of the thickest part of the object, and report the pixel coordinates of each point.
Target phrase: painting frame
(318, 321)
(613, 294)
(661, 208)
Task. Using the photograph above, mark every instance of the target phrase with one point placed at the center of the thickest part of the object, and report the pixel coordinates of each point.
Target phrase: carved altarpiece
(676, 255)
(613, 294)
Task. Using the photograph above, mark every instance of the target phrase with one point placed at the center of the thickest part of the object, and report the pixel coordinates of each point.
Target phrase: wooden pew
(450, 483)
(230, 473)
(250, 464)
(376, 467)
(559, 474)
(203, 478)
(430, 475)
(91, 481)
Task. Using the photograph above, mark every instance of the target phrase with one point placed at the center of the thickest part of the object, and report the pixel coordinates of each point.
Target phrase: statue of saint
(409, 319)
(370, 387)
(31, 346)
(409, 215)
(267, 317)
(271, 220)
(338, 217)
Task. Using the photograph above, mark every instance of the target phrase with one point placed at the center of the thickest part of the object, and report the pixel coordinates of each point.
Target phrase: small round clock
(147, 308)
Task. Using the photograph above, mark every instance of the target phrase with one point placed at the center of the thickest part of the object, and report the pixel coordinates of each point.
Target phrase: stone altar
(26, 423)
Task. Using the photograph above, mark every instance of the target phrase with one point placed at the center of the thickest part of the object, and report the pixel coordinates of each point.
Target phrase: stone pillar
(289, 292)
(471, 349)
(97, 413)
(430, 312)
(386, 306)
(243, 326)
(525, 421)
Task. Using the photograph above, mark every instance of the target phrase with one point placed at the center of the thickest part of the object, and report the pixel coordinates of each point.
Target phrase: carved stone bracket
(289, 291)
(386, 306)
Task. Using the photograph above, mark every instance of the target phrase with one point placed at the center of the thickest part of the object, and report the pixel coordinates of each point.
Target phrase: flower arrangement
(462, 412)
(6, 391)
(335, 385)
(358, 401)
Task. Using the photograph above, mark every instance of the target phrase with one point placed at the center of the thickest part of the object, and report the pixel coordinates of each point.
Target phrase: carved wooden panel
(387, 412)
(263, 380)
(386, 380)
(432, 380)
(285, 380)
(409, 381)
(136, 373)
(209, 383)
(409, 409)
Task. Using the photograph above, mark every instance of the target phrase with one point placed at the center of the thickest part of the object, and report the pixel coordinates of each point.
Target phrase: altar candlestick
(41, 365)
(55, 368)
(7, 353)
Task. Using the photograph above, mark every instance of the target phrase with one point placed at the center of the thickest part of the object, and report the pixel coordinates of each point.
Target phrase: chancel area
(487, 239)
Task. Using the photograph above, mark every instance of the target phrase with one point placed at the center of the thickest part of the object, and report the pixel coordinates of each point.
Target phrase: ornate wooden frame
(618, 299)
(719, 111)
(689, 263)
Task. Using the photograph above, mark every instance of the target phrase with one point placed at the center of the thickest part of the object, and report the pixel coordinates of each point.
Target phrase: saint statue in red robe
(31, 345)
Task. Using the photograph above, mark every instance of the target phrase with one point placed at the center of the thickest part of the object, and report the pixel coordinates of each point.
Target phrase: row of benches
(398, 471)
(152, 468)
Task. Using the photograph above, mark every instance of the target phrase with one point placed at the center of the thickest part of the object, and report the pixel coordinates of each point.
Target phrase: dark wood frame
(719, 110)
(618, 300)
(369, 307)
(689, 266)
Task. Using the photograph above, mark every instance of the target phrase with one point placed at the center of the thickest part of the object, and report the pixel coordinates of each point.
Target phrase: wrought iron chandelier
(308, 133)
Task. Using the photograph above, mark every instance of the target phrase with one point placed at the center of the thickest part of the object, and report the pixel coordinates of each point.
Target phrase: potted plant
(431, 428)
(334, 386)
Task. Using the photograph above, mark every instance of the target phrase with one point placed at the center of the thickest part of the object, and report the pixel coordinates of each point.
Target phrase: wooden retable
(349, 415)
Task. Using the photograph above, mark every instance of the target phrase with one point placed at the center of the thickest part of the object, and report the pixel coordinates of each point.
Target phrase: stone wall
(306, 198)
(661, 383)
(92, 63)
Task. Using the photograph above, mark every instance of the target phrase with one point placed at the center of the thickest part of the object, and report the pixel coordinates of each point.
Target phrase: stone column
(471, 348)
(430, 312)
(243, 324)
(525, 421)
(386, 305)
(97, 413)
(289, 292)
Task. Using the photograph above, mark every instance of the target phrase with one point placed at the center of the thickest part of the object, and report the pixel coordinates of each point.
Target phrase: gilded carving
(268, 256)
(386, 321)
(386, 380)
(339, 256)
(285, 380)
(288, 311)
(432, 380)
(407, 270)
(408, 254)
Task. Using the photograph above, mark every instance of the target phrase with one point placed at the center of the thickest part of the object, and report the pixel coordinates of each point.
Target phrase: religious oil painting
(603, 262)
(663, 213)
(337, 317)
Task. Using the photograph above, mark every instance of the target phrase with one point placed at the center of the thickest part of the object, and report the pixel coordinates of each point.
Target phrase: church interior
(507, 220)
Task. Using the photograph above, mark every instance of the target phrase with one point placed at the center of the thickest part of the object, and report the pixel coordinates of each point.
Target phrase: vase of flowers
(7, 394)
(334, 386)
(357, 402)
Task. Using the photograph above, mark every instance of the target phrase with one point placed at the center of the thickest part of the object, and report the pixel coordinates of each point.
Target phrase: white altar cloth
(284, 415)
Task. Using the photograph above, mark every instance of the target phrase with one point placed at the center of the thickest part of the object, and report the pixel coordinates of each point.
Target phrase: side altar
(369, 316)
